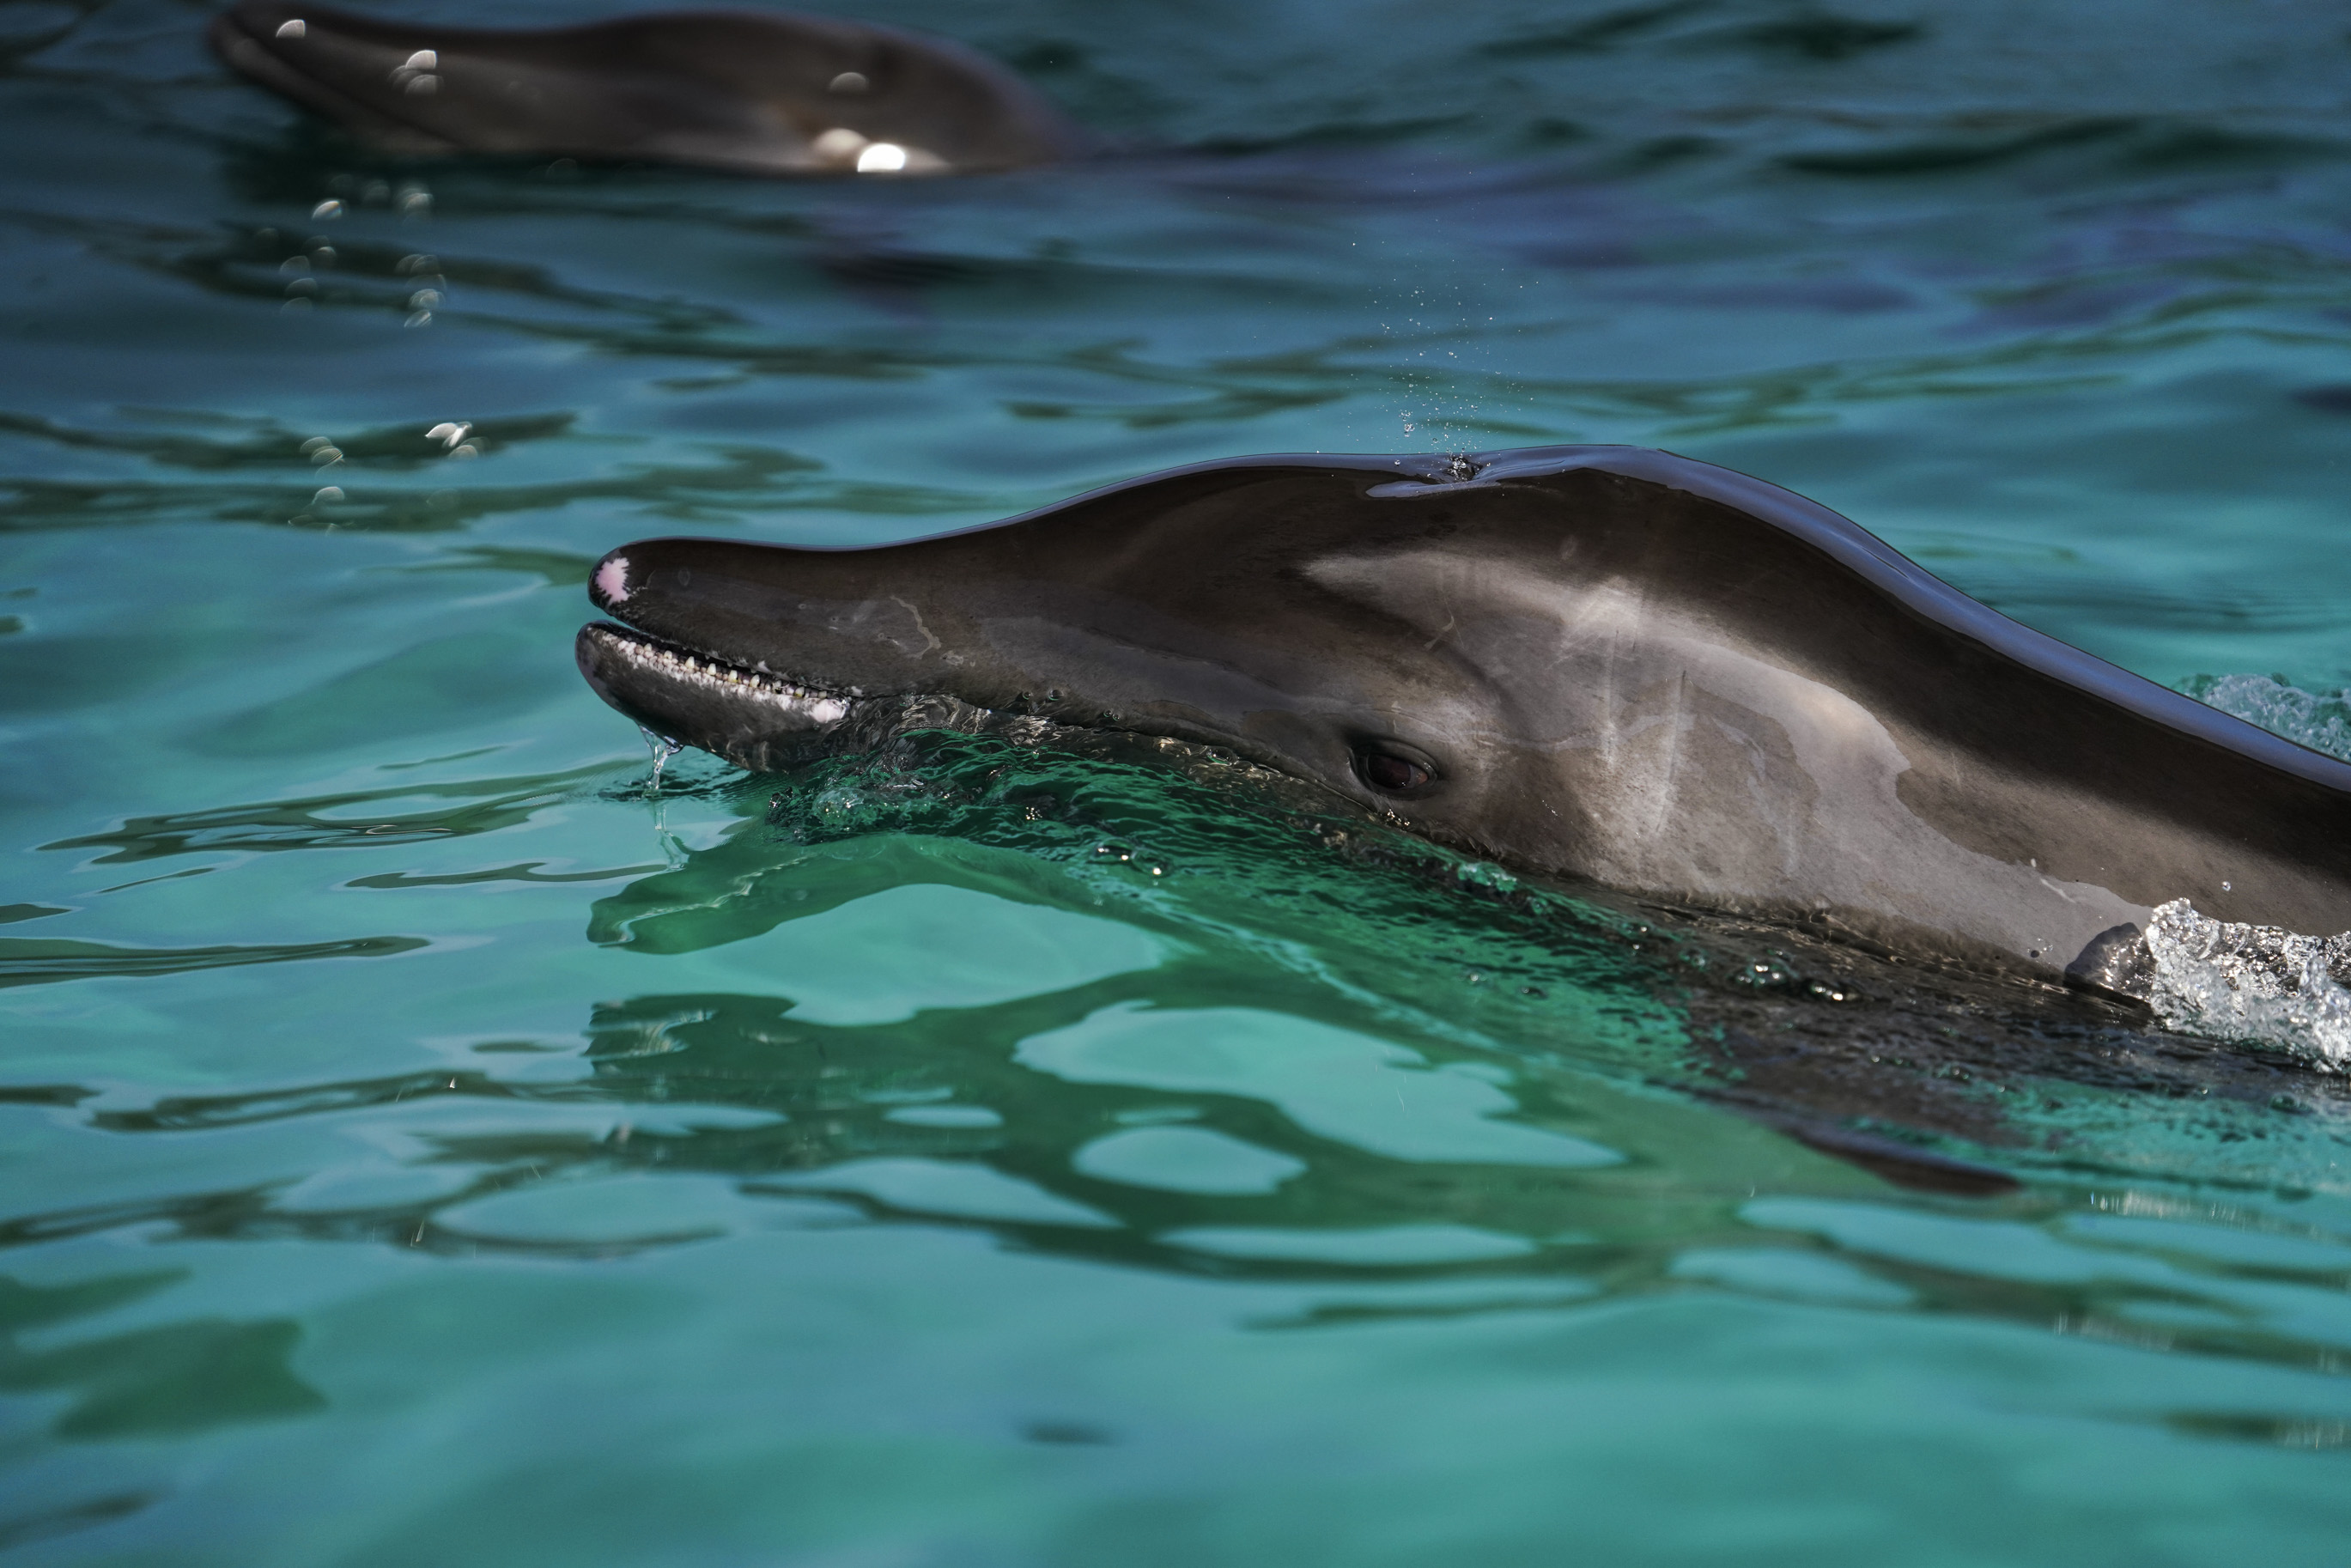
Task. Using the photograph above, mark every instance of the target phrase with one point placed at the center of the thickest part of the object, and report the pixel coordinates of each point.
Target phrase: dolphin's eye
(1390, 772)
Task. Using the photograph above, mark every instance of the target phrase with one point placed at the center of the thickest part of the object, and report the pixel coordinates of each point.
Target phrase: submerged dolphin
(1598, 662)
(762, 92)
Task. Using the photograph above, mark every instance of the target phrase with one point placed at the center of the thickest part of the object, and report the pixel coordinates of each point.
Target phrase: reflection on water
(420, 1142)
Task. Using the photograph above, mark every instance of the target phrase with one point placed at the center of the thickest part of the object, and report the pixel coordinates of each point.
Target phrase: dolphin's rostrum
(762, 92)
(1592, 662)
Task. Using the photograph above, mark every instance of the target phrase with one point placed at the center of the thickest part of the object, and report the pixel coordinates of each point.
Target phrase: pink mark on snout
(612, 579)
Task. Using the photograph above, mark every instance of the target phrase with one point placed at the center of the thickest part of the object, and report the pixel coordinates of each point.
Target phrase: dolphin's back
(2019, 746)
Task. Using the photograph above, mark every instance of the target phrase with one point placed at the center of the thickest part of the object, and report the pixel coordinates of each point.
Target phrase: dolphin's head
(1248, 605)
(756, 91)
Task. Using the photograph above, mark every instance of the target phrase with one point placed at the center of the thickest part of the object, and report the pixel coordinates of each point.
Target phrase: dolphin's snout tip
(607, 586)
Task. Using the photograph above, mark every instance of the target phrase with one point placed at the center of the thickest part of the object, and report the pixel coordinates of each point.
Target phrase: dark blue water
(422, 1143)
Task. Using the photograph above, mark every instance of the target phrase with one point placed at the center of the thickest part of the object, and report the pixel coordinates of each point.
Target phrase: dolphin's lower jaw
(766, 722)
(758, 720)
(753, 718)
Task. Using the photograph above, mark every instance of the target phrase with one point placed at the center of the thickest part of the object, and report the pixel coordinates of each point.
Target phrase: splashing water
(663, 749)
(2318, 720)
(2255, 984)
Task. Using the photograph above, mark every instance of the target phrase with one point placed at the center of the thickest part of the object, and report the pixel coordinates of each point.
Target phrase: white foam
(2256, 983)
(2319, 720)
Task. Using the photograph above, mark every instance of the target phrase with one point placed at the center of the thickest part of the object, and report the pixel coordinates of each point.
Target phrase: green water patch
(31, 961)
(337, 820)
(146, 1383)
(1830, 1043)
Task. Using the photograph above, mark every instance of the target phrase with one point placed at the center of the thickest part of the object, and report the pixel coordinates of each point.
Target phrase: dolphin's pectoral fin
(2115, 963)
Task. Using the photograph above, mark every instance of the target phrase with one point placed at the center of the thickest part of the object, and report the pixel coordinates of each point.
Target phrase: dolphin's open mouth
(803, 705)
(750, 715)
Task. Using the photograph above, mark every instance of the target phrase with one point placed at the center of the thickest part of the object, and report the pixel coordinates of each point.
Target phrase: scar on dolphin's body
(758, 92)
(1600, 662)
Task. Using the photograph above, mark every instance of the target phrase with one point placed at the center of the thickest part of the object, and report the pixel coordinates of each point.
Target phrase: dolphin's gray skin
(761, 92)
(1598, 662)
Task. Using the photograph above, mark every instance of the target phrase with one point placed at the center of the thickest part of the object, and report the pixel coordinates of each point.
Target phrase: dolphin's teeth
(809, 705)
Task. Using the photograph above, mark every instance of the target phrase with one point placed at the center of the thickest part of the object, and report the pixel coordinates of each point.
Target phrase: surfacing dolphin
(1596, 662)
(763, 92)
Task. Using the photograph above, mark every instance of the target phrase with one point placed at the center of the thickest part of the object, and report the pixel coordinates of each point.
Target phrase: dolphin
(760, 92)
(1595, 663)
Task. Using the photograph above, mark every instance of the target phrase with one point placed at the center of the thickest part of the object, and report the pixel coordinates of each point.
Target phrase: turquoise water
(425, 1143)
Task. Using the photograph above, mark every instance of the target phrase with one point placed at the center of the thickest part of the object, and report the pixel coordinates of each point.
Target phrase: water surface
(424, 1144)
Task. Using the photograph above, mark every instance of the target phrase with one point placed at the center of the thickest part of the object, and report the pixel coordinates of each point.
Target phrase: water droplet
(663, 749)
(293, 29)
(419, 319)
(327, 494)
(882, 158)
(847, 81)
(330, 208)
